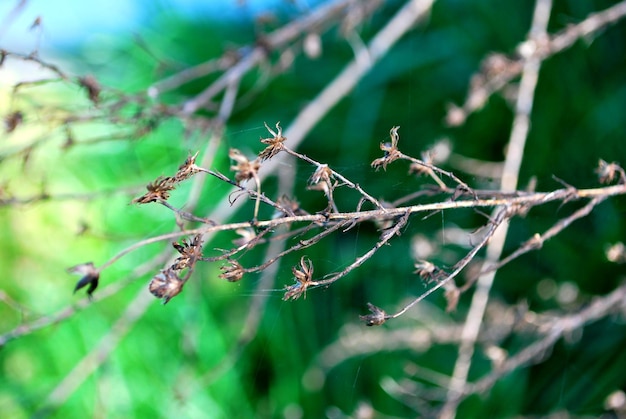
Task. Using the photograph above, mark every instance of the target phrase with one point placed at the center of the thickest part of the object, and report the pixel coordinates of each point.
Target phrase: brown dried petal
(303, 273)
(192, 247)
(393, 134)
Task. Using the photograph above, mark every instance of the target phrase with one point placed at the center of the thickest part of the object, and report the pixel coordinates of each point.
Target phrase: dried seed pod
(166, 285)
(232, 272)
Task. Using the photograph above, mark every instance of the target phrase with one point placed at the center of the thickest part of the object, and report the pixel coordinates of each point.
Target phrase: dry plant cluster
(293, 229)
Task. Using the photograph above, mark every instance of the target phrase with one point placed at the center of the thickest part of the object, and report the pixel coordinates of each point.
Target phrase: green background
(186, 359)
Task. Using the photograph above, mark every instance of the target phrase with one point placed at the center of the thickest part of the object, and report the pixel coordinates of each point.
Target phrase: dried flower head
(246, 235)
(166, 285)
(391, 150)
(376, 317)
(274, 144)
(323, 176)
(427, 270)
(303, 274)
(607, 172)
(90, 276)
(187, 169)
(232, 271)
(159, 190)
(190, 252)
(244, 168)
(289, 207)
(422, 167)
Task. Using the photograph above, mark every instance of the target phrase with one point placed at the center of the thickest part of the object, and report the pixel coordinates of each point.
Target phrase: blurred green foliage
(183, 360)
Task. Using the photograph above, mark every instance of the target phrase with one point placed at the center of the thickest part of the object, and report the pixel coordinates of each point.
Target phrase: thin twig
(537, 241)
(387, 235)
(459, 266)
(560, 326)
(501, 71)
(508, 183)
(66, 313)
(524, 199)
(320, 18)
(337, 176)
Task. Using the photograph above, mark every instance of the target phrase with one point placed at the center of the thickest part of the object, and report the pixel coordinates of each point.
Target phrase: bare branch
(537, 35)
